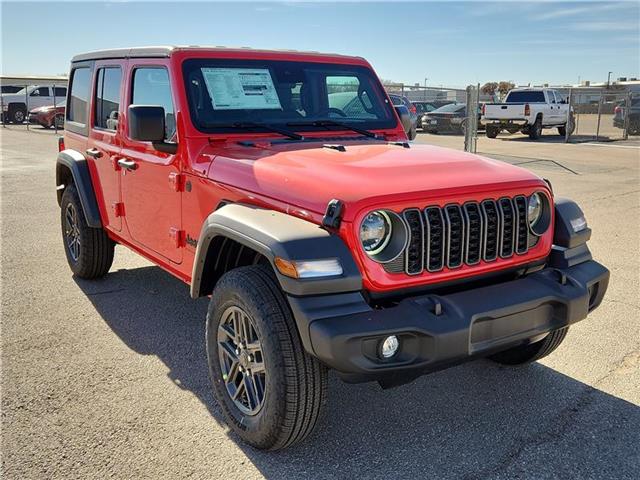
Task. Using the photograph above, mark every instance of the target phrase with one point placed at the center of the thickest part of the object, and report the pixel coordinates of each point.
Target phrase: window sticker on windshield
(241, 88)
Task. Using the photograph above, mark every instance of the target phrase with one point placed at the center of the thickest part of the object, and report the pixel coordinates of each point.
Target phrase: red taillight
(412, 108)
(60, 144)
(527, 110)
(617, 110)
(484, 108)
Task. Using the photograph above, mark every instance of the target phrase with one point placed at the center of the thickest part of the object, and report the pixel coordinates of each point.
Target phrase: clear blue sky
(452, 43)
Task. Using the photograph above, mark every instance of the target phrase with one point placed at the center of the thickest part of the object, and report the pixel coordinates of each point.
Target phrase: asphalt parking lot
(108, 378)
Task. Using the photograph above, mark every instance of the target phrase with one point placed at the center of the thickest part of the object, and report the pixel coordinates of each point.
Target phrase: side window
(77, 104)
(552, 98)
(60, 92)
(40, 92)
(107, 98)
(151, 87)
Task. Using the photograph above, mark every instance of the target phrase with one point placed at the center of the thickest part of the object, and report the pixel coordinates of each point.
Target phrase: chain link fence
(601, 115)
(30, 106)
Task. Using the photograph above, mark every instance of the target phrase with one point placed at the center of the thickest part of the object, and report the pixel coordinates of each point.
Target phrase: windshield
(452, 107)
(525, 96)
(226, 93)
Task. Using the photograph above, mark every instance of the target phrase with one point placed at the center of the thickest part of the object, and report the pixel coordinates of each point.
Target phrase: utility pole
(609, 80)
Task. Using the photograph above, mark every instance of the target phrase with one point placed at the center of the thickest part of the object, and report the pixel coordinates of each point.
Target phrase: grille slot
(434, 245)
(414, 258)
(456, 235)
(507, 219)
(491, 231)
(473, 237)
(522, 230)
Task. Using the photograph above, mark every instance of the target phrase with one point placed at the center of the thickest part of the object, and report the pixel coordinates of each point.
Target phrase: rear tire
(634, 127)
(17, 114)
(293, 385)
(89, 250)
(412, 133)
(492, 132)
(532, 352)
(535, 131)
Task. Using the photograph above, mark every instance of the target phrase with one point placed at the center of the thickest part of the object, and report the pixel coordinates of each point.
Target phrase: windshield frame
(192, 63)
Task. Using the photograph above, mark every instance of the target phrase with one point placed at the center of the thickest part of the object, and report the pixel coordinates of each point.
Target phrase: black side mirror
(146, 124)
(405, 117)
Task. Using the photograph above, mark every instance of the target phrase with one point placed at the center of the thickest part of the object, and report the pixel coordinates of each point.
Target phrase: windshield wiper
(333, 123)
(248, 125)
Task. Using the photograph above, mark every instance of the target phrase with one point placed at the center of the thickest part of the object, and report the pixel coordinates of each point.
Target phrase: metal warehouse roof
(165, 51)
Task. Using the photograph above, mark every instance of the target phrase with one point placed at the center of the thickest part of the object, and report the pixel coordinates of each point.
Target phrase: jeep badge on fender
(323, 238)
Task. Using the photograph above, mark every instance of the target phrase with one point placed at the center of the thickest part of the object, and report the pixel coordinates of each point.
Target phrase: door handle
(128, 164)
(93, 153)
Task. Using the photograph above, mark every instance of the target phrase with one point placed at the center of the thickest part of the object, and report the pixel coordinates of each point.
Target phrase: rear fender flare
(75, 162)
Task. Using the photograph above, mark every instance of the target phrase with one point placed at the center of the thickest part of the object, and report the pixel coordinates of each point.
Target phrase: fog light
(389, 346)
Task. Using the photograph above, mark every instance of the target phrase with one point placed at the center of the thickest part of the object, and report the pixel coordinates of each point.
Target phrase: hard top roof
(166, 51)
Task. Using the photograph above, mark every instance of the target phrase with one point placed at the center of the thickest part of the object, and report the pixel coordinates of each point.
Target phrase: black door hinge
(333, 214)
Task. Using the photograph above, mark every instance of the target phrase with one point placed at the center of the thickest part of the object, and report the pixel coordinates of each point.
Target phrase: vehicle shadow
(478, 420)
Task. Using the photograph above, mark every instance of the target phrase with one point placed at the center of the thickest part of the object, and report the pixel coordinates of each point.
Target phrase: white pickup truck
(528, 110)
(16, 105)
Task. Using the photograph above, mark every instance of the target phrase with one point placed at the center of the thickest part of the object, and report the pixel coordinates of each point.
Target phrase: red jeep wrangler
(282, 185)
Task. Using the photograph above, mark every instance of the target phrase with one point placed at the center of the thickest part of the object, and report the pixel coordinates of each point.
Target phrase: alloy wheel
(72, 232)
(241, 360)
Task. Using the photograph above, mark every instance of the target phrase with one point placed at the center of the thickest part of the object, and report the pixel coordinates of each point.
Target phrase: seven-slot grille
(456, 235)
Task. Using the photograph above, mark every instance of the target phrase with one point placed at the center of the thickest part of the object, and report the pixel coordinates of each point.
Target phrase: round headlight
(375, 232)
(534, 210)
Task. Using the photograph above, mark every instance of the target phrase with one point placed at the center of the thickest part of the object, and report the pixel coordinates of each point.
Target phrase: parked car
(451, 118)
(16, 105)
(412, 126)
(634, 116)
(529, 110)
(48, 117)
(321, 242)
(423, 107)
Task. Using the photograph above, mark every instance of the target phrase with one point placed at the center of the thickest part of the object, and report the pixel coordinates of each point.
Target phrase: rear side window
(80, 82)
(60, 92)
(107, 98)
(151, 87)
(525, 97)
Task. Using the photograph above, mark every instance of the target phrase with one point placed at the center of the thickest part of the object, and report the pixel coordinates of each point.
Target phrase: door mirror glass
(146, 123)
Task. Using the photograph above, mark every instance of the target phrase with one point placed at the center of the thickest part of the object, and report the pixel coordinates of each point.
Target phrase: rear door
(103, 146)
(551, 114)
(151, 189)
(40, 97)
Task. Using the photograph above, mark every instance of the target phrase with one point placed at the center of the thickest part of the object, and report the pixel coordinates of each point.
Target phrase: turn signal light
(60, 144)
(308, 268)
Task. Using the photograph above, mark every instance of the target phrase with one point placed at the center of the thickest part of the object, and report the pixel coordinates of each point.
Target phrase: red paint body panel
(296, 178)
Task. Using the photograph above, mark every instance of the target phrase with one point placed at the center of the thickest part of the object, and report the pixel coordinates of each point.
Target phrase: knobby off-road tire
(293, 384)
(535, 130)
(491, 131)
(532, 352)
(89, 250)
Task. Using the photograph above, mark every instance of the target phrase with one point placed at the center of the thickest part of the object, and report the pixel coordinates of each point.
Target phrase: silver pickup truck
(528, 110)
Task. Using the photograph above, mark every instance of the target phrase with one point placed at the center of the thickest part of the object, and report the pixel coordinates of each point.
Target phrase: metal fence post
(4, 115)
(26, 104)
(566, 130)
(599, 113)
(627, 108)
(55, 113)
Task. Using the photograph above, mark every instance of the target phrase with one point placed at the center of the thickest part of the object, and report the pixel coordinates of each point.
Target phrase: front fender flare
(275, 234)
(77, 164)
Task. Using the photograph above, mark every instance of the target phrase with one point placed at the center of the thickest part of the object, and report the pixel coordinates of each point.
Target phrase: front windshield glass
(224, 94)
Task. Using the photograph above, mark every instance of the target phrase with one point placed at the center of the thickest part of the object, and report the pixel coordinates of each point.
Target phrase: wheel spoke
(229, 351)
(257, 367)
(228, 331)
(251, 391)
(253, 347)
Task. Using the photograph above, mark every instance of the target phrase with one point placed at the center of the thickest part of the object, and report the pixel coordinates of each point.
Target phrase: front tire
(18, 114)
(532, 352)
(89, 250)
(270, 390)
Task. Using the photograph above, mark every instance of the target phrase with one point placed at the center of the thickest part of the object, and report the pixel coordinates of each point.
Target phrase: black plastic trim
(276, 234)
(564, 236)
(77, 164)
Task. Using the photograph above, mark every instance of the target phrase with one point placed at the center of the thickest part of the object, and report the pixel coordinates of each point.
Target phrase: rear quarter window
(79, 97)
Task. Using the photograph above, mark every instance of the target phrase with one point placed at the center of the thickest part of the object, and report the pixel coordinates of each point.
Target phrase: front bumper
(437, 331)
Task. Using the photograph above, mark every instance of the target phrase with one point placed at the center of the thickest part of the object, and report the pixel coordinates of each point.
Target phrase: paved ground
(108, 378)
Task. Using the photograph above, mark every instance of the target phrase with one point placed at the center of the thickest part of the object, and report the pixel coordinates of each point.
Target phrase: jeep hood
(362, 175)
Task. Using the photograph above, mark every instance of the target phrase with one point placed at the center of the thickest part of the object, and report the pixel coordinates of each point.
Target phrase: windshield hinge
(333, 214)
(176, 182)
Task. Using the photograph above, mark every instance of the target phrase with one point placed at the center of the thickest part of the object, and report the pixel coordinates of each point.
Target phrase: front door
(151, 187)
(103, 146)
